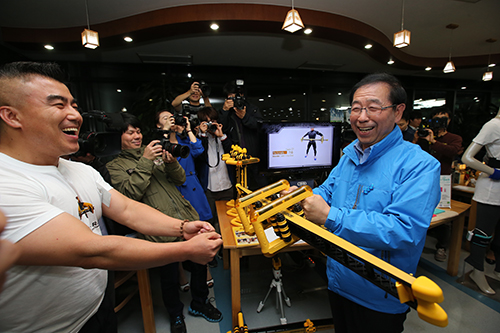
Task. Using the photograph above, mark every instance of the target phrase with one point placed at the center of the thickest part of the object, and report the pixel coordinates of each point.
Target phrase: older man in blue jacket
(381, 197)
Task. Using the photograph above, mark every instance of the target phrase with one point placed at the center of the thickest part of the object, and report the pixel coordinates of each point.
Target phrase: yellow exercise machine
(239, 158)
(263, 209)
(241, 327)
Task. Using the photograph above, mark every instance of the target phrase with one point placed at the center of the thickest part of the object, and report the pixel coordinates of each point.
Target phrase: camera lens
(179, 150)
(422, 132)
(175, 149)
(205, 88)
(239, 102)
(212, 127)
(180, 120)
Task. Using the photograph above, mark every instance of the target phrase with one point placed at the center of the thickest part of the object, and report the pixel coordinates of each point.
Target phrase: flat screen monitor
(292, 146)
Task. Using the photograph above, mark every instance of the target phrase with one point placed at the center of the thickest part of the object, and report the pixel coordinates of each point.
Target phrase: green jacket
(142, 180)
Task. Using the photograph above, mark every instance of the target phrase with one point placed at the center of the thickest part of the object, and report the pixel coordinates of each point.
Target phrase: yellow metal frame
(422, 291)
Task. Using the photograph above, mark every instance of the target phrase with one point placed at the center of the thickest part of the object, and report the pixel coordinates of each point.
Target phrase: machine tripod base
(280, 292)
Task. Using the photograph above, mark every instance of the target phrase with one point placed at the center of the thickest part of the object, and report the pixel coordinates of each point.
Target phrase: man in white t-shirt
(53, 206)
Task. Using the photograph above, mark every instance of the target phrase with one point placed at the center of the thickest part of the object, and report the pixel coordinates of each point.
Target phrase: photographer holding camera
(196, 91)
(241, 122)
(444, 146)
(216, 177)
(150, 174)
(440, 143)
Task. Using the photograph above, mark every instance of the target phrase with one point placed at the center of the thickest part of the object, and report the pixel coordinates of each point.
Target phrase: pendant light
(402, 38)
(90, 38)
(450, 66)
(292, 21)
(488, 75)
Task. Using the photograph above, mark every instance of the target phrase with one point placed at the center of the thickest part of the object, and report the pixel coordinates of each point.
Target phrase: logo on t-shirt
(84, 208)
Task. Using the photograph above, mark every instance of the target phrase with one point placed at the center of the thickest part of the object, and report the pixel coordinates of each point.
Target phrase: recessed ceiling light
(124, 109)
(214, 26)
(127, 39)
(464, 88)
(48, 47)
(189, 75)
(492, 65)
(428, 68)
(118, 90)
(390, 62)
(368, 46)
(339, 93)
(308, 31)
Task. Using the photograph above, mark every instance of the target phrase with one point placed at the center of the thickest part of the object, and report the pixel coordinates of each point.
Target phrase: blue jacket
(395, 192)
(192, 190)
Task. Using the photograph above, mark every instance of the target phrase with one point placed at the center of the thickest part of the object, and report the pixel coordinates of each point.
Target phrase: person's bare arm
(147, 220)
(177, 102)
(206, 100)
(66, 241)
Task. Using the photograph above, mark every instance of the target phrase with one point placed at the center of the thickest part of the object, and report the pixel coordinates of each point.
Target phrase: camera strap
(218, 154)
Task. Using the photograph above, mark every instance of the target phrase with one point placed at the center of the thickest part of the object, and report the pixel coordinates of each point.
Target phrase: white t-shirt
(488, 190)
(48, 298)
(218, 178)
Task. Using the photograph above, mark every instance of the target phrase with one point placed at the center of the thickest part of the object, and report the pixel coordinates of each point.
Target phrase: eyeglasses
(370, 110)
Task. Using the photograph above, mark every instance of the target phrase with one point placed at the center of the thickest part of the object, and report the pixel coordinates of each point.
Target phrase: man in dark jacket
(241, 122)
(444, 146)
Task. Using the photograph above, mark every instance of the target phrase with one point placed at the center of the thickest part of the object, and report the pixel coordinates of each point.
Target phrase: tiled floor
(468, 309)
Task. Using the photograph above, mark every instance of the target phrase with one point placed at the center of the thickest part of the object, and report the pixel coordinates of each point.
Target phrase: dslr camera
(239, 99)
(205, 88)
(175, 149)
(212, 127)
(433, 124)
(100, 134)
(180, 120)
(191, 113)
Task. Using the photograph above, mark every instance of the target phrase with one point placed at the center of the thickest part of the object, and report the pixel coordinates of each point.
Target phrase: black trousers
(350, 317)
(313, 144)
(169, 277)
(212, 197)
(104, 320)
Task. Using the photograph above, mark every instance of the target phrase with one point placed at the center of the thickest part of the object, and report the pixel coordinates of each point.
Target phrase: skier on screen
(312, 141)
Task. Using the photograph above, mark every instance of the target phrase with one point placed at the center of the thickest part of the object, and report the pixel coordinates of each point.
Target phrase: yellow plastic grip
(428, 294)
